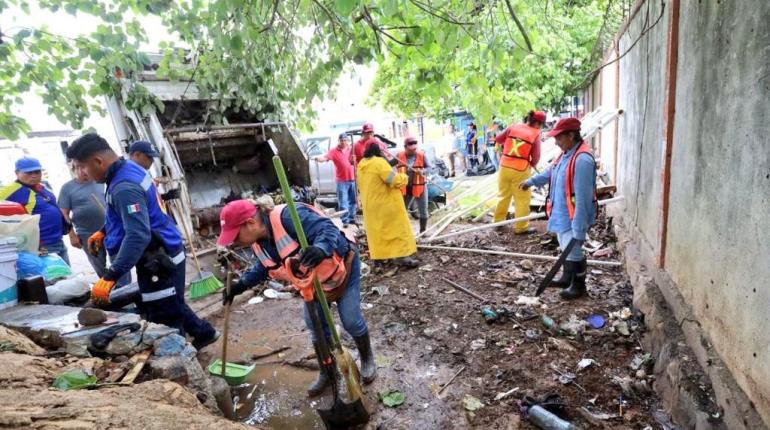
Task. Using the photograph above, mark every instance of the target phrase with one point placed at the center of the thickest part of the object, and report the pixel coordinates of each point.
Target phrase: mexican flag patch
(134, 208)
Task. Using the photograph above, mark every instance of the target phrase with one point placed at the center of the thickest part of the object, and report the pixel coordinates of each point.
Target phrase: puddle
(273, 395)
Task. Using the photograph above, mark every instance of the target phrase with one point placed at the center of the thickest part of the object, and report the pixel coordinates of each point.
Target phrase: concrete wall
(718, 248)
(718, 240)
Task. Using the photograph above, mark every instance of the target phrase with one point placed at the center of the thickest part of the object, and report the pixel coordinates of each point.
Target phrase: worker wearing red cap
(571, 204)
(332, 255)
(367, 137)
(413, 163)
(520, 153)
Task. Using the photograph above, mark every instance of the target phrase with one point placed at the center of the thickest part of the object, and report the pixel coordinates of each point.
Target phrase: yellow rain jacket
(385, 219)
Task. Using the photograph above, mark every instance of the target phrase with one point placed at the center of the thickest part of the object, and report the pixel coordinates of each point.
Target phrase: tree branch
(446, 17)
(519, 25)
(272, 18)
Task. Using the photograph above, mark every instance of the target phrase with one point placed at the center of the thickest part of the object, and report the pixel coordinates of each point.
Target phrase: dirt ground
(425, 332)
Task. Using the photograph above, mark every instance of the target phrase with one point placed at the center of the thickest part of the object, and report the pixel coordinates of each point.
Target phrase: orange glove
(96, 242)
(100, 293)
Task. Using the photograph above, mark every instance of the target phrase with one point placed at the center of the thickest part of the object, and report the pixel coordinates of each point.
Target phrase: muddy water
(273, 395)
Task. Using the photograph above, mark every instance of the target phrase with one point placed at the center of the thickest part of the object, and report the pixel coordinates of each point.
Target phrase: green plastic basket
(235, 374)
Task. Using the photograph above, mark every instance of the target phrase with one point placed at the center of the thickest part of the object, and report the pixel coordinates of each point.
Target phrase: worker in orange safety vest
(413, 163)
(521, 152)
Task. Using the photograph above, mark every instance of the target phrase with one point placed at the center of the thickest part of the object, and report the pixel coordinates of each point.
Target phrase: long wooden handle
(226, 328)
(187, 236)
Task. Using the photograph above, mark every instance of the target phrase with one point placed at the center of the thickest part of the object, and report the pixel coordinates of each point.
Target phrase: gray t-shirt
(86, 215)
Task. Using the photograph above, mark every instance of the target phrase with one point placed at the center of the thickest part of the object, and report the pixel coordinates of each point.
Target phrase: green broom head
(203, 285)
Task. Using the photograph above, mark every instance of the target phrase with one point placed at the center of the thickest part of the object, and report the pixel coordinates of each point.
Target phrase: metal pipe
(514, 254)
(511, 221)
(196, 128)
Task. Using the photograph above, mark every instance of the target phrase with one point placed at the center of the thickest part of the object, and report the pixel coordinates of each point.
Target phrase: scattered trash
(596, 321)
(527, 264)
(272, 294)
(622, 328)
(574, 326)
(533, 334)
(256, 300)
(561, 345)
(604, 252)
(505, 395)
(622, 314)
(445, 259)
(586, 362)
(550, 324)
(365, 270)
(596, 272)
(366, 306)
(382, 290)
(490, 316)
(471, 403)
(74, 380)
(566, 378)
(545, 420)
(528, 301)
(478, 344)
(640, 360)
(601, 416)
(426, 268)
(392, 398)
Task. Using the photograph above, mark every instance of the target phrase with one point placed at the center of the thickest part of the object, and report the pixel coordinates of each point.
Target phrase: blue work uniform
(584, 185)
(320, 232)
(41, 201)
(139, 234)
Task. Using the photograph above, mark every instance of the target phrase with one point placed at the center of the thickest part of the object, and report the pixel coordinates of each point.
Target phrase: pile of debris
(103, 366)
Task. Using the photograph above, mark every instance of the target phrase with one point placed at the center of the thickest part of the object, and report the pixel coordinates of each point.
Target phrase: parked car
(322, 173)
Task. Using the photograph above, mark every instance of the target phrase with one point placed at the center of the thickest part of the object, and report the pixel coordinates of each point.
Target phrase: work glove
(235, 289)
(311, 256)
(96, 242)
(100, 293)
(170, 195)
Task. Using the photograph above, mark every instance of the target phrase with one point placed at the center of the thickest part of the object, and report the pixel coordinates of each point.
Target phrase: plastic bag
(74, 380)
(55, 267)
(29, 265)
(25, 228)
(68, 289)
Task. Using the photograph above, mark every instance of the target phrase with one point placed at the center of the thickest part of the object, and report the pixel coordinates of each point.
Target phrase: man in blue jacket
(572, 201)
(138, 233)
(37, 197)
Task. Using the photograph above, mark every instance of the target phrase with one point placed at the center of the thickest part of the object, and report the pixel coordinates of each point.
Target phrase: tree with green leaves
(274, 58)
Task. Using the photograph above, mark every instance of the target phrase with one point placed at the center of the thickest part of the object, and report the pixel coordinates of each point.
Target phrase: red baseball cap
(232, 217)
(410, 139)
(564, 125)
(539, 116)
(368, 128)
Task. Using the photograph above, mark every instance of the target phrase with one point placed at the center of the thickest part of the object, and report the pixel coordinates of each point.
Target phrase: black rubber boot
(578, 286)
(423, 224)
(322, 381)
(567, 272)
(408, 262)
(368, 367)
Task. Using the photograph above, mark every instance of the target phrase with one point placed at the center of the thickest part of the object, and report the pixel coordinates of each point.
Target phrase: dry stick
(514, 254)
(460, 214)
(451, 380)
(464, 290)
(451, 207)
(98, 203)
(511, 221)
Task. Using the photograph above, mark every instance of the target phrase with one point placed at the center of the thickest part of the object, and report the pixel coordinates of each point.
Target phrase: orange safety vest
(418, 182)
(332, 272)
(518, 146)
(569, 177)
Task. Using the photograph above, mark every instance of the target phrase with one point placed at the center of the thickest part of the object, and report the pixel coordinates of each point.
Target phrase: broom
(205, 283)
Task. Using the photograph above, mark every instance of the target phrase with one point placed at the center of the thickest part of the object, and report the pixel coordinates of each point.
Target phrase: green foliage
(274, 58)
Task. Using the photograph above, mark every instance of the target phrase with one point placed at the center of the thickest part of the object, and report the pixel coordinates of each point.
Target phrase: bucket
(9, 293)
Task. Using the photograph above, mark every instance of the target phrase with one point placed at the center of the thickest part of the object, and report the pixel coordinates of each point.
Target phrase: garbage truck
(209, 164)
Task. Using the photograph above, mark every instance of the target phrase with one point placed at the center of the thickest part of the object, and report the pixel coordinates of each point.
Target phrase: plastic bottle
(545, 420)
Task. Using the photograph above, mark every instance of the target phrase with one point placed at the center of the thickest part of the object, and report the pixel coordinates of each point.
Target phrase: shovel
(233, 373)
(351, 411)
